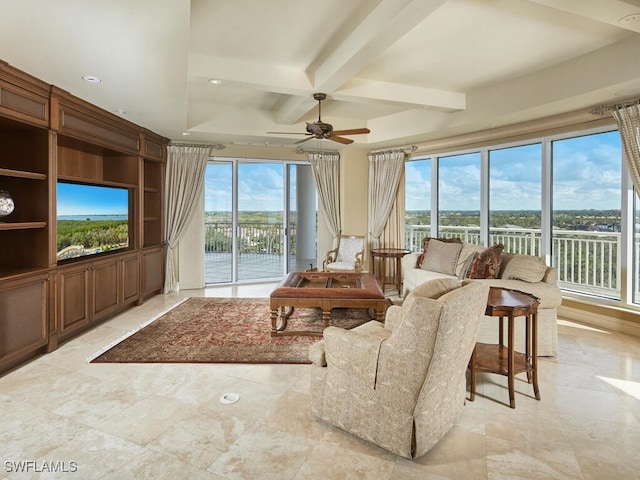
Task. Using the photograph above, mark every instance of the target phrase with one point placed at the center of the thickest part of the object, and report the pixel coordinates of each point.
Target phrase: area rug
(224, 330)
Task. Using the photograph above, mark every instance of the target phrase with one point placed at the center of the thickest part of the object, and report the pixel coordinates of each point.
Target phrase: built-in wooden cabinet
(24, 315)
(48, 135)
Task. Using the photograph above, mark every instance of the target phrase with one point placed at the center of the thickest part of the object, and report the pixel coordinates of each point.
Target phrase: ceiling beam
(604, 11)
(388, 21)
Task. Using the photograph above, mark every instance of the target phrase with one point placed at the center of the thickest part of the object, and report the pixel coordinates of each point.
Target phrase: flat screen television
(91, 219)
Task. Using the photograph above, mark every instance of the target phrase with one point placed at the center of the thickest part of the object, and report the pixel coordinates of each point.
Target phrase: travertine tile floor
(118, 421)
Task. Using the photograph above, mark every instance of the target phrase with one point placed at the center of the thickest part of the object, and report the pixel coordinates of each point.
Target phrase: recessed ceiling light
(634, 17)
(91, 79)
(120, 111)
(215, 81)
(186, 134)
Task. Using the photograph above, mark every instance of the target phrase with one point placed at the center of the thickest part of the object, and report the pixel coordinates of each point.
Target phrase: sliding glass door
(260, 220)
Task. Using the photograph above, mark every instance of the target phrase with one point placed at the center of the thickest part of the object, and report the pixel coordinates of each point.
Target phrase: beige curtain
(326, 172)
(628, 118)
(184, 183)
(385, 172)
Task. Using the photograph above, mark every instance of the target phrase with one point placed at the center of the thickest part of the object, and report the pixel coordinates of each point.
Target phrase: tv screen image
(91, 219)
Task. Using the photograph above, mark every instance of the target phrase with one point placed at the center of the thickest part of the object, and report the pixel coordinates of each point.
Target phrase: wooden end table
(500, 358)
(383, 254)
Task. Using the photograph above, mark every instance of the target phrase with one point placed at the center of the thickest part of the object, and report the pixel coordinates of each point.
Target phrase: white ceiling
(409, 70)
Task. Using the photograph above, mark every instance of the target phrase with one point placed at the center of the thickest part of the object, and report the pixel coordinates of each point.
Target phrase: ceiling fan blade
(288, 133)
(304, 140)
(353, 131)
(334, 138)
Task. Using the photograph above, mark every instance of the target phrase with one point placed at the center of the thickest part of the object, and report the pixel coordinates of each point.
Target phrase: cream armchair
(401, 386)
(347, 256)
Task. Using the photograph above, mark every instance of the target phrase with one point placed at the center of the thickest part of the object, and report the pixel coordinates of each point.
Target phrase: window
(417, 203)
(586, 217)
(515, 198)
(459, 197)
(558, 197)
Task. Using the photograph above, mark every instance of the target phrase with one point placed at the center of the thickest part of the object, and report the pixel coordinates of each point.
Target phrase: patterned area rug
(224, 330)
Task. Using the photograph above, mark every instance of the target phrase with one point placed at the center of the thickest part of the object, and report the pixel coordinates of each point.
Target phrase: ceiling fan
(322, 130)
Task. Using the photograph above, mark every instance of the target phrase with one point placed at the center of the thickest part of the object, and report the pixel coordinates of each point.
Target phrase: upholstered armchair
(401, 385)
(347, 256)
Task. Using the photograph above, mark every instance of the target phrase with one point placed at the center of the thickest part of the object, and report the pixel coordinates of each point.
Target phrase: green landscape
(104, 235)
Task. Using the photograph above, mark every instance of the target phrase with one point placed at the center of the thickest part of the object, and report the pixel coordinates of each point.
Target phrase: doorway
(260, 220)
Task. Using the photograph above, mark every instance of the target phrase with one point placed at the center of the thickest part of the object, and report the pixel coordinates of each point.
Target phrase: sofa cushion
(441, 257)
(425, 246)
(436, 288)
(523, 267)
(485, 264)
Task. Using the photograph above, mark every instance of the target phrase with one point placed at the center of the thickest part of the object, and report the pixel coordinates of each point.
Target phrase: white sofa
(525, 273)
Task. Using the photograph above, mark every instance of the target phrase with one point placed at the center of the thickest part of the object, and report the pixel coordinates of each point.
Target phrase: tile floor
(118, 421)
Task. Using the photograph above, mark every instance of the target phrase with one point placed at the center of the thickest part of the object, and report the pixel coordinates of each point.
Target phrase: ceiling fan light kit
(322, 130)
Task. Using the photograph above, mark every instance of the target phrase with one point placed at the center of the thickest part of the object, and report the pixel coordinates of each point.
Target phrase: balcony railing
(587, 262)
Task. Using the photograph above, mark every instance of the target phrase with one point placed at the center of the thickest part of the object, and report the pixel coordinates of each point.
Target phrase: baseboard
(599, 320)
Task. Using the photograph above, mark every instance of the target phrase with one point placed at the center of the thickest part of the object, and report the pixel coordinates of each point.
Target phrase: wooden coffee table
(325, 290)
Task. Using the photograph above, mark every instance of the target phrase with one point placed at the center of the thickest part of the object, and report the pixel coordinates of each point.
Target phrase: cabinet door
(106, 285)
(24, 316)
(130, 279)
(152, 264)
(73, 299)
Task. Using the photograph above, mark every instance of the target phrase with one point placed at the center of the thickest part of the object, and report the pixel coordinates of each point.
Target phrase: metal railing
(587, 262)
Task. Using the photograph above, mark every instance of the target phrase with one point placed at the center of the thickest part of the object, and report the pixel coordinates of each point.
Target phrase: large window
(417, 203)
(557, 197)
(515, 198)
(459, 197)
(587, 198)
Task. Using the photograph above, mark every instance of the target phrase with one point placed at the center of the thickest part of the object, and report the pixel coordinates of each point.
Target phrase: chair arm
(358, 260)
(392, 317)
(408, 262)
(354, 354)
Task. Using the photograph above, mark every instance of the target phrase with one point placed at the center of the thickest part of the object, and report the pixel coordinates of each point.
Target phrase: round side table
(383, 254)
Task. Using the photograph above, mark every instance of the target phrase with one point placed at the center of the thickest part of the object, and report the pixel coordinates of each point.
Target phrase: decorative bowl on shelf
(6, 203)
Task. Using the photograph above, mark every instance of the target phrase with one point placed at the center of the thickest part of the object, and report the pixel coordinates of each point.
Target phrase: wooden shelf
(22, 225)
(94, 182)
(6, 172)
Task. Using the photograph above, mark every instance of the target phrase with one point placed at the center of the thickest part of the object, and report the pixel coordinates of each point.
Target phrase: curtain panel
(628, 118)
(385, 171)
(184, 183)
(326, 173)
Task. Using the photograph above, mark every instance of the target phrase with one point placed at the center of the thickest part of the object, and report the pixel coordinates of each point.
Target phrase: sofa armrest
(353, 353)
(409, 261)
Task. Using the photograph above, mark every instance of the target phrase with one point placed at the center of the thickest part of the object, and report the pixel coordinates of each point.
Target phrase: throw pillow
(485, 264)
(425, 245)
(526, 268)
(441, 257)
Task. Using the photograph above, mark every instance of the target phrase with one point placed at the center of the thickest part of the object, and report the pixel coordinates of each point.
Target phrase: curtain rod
(216, 146)
(404, 148)
(300, 151)
(602, 109)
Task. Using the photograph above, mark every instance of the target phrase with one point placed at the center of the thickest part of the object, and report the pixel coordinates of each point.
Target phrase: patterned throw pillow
(425, 245)
(485, 264)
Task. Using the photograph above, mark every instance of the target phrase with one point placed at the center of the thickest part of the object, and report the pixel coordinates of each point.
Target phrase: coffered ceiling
(409, 70)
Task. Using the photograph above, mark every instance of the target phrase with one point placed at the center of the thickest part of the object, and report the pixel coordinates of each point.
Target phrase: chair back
(349, 247)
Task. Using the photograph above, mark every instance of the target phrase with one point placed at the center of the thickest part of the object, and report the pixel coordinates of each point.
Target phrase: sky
(76, 199)
(586, 174)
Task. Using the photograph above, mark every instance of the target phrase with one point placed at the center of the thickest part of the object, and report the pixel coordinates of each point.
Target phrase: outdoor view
(265, 192)
(586, 199)
(91, 219)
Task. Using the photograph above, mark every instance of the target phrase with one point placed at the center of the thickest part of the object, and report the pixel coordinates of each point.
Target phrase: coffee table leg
(472, 368)
(326, 317)
(274, 322)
